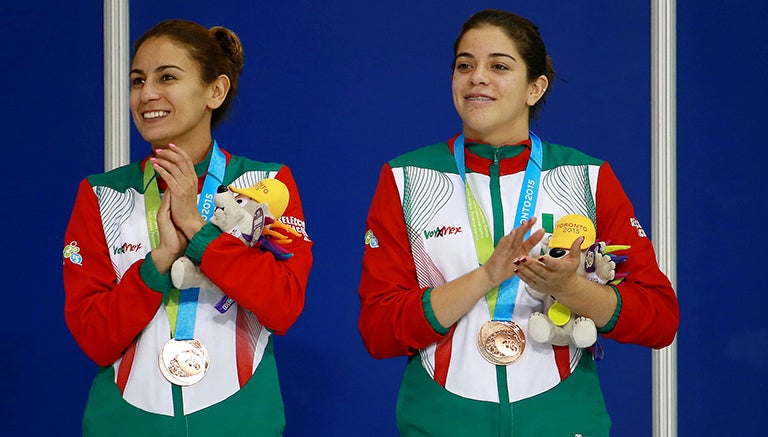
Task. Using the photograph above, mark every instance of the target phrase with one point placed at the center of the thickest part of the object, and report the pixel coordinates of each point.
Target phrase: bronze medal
(183, 362)
(501, 343)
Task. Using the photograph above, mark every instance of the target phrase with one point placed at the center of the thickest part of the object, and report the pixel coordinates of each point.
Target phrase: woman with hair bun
(196, 361)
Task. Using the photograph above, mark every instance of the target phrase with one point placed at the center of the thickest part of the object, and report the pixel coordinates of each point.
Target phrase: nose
(479, 77)
(148, 92)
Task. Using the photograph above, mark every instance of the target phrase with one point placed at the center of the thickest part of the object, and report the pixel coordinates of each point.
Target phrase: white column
(116, 65)
(664, 197)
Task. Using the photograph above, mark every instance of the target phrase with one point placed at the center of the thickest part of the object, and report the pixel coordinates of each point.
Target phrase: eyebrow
(492, 55)
(158, 69)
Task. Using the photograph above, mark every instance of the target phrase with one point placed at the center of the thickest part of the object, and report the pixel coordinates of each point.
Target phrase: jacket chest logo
(442, 232)
(126, 248)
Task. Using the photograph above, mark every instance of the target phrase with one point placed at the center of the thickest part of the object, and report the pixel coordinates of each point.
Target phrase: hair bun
(230, 43)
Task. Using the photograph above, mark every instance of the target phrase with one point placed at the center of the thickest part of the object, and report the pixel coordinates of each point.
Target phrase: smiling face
(491, 89)
(169, 101)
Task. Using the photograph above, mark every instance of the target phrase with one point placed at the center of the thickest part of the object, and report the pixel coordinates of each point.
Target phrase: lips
(478, 98)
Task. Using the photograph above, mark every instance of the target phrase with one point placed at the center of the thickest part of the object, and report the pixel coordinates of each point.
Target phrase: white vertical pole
(663, 197)
(116, 55)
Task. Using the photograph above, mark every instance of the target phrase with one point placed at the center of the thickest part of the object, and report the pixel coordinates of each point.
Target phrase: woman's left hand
(177, 169)
(555, 276)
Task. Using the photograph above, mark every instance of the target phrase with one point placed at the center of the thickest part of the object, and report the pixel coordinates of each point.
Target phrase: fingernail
(541, 259)
(171, 145)
(515, 270)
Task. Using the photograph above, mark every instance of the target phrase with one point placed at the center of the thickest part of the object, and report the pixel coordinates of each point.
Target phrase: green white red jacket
(418, 237)
(114, 298)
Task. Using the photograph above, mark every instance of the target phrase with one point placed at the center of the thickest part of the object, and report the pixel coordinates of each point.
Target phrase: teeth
(155, 114)
(479, 99)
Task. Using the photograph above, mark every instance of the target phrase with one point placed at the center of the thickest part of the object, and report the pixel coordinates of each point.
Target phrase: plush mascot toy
(250, 214)
(598, 263)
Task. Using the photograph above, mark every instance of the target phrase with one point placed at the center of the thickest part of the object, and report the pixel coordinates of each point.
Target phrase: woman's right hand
(176, 167)
(173, 242)
(455, 298)
(511, 249)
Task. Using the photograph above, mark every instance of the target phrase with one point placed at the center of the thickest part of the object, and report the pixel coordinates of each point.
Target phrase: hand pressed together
(455, 298)
(513, 247)
(555, 276)
(177, 169)
(173, 242)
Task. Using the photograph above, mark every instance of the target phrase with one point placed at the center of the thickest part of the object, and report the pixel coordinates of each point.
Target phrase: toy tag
(258, 225)
(559, 314)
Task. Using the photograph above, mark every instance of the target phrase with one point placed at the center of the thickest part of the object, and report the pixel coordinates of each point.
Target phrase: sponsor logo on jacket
(126, 248)
(297, 224)
(442, 232)
(636, 224)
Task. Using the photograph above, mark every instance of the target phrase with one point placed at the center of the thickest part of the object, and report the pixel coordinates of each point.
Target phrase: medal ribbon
(181, 305)
(501, 300)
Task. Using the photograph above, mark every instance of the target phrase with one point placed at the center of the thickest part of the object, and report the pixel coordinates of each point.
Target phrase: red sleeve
(272, 290)
(649, 314)
(392, 319)
(103, 313)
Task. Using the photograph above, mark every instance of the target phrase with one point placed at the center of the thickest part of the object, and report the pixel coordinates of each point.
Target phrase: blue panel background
(334, 89)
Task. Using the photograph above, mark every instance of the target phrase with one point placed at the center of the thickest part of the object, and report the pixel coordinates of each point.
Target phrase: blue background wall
(334, 89)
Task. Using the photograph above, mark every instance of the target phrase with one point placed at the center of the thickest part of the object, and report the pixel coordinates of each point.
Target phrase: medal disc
(183, 362)
(501, 343)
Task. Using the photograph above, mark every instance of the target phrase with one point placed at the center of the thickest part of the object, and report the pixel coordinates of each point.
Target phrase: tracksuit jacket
(418, 237)
(115, 309)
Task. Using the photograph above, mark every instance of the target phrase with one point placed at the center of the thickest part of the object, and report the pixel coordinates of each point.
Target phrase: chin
(155, 138)
(477, 132)
(478, 122)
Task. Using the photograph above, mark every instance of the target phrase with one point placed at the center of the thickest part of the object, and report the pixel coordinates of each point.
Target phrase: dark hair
(216, 50)
(526, 37)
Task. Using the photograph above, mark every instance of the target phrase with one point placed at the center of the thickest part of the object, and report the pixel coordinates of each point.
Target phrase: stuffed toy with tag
(250, 214)
(557, 325)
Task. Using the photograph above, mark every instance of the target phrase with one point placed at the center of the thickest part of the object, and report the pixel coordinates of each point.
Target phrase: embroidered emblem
(371, 240)
(71, 252)
(636, 224)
